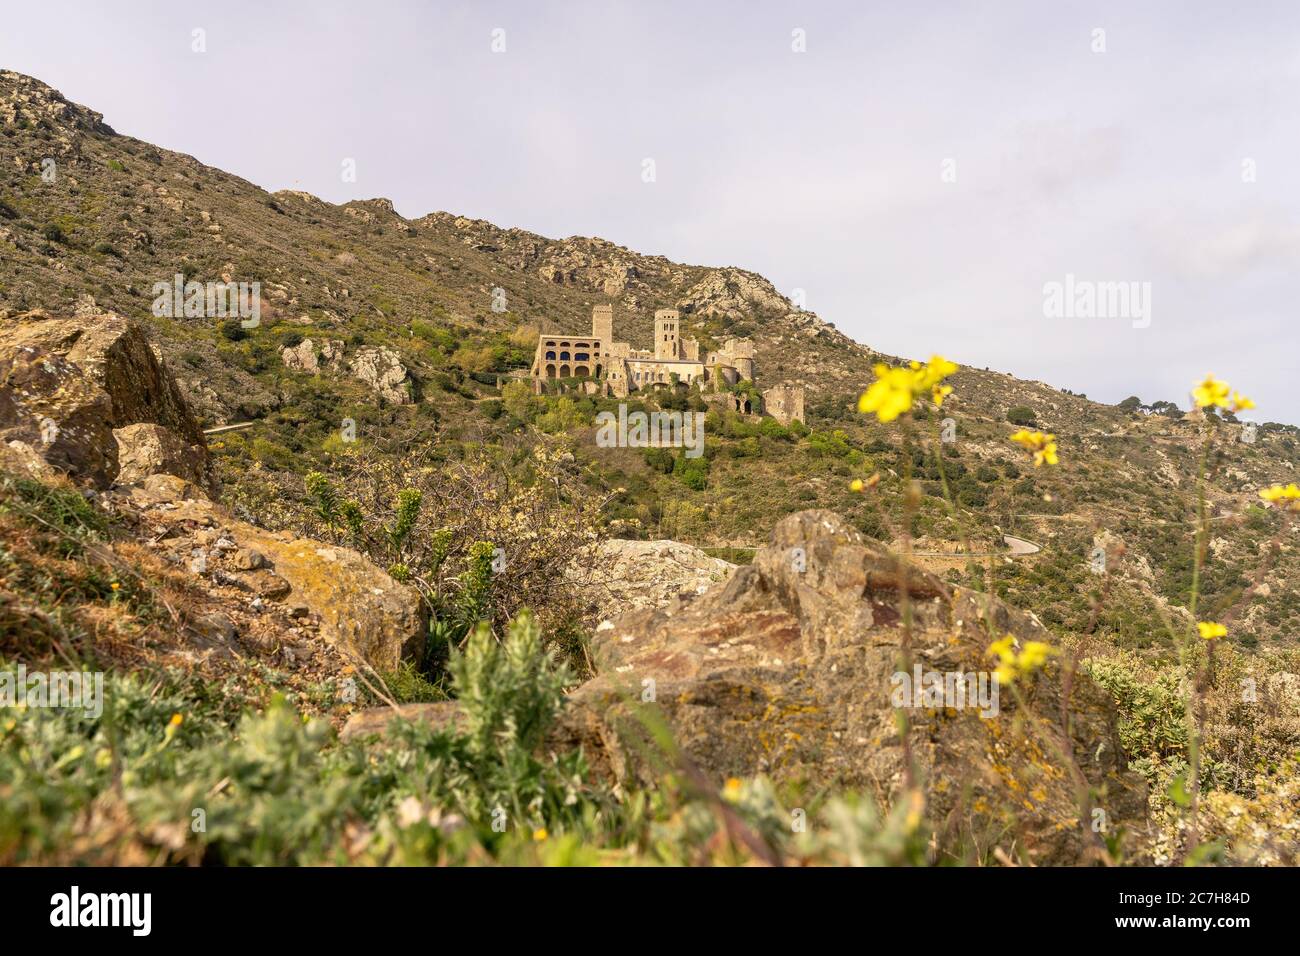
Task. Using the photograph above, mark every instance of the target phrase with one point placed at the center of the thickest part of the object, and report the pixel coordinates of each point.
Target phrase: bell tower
(666, 334)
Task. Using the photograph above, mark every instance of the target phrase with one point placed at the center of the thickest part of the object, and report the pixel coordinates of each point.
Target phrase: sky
(919, 174)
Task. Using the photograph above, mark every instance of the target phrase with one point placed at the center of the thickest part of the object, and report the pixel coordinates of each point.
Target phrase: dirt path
(1016, 548)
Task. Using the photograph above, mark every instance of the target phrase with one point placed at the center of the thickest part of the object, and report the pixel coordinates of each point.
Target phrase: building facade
(622, 369)
(617, 369)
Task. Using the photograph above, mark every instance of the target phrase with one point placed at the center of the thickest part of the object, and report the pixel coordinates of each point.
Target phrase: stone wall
(784, 403)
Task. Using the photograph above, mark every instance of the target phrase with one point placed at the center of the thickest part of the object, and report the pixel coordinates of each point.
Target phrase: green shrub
(1022, 415)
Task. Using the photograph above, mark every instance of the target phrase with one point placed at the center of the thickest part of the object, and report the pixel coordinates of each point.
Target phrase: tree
(1022, 415)
(519, 400)
(1130, 404)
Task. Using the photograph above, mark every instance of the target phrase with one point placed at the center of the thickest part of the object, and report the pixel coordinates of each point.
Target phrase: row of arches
(565, 370)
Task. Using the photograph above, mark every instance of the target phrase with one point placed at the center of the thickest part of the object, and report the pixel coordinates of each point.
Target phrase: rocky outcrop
(145, 449)
(788, 669)
(67, 383)
(355, 606)
(634, 575)
(27, 100)
(307, 356)
(732, 292)
(88, 397)
(382, 369)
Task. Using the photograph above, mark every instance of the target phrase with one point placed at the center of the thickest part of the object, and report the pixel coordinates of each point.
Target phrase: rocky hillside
(775, 669)
(387, 462)
(389, 323)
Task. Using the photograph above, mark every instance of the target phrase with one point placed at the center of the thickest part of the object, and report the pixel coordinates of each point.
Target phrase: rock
(377, 720)
(381, 368)
(214, 627)
(732, 292)
(787, 669)
(307, 357)
(271, 586)
(358, 606)
(165, 489)
(20, 458)
(51, 410)
(246, 559)
(646, 574)
(67, 383)
(145, 449)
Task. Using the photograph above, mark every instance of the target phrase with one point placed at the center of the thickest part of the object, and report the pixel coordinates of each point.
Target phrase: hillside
(94, 231)
(125, 215)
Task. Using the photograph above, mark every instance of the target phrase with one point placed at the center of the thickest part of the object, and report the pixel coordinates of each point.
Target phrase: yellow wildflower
(1209, 630)
(731, 791)
(1282, 496)
(856, 485)
(1011, 665)
(890, 395)
(1239, 403)
(115, 586)
(1035, 655)
(933, 372)
(1210, 392)
(1042, 444)
(895, 389)
(176, 720)
(540, 834)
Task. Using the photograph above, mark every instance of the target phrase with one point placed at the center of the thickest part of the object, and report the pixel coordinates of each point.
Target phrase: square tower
(602, 326)
(666, 334)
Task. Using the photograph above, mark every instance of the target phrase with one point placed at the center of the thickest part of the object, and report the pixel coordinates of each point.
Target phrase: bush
(693, 472)
(233, 331)
(1022, 415)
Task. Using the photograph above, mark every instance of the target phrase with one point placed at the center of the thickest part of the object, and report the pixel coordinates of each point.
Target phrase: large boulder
(307, 356)
(788, 669)
(357, 607)
(145, 449)
(631, 575)
(67, 383)
(381, 368)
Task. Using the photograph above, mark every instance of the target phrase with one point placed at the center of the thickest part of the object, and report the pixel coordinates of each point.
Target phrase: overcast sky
(921, 171)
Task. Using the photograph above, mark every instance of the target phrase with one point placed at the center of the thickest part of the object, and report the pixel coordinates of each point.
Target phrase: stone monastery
(617, 369)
